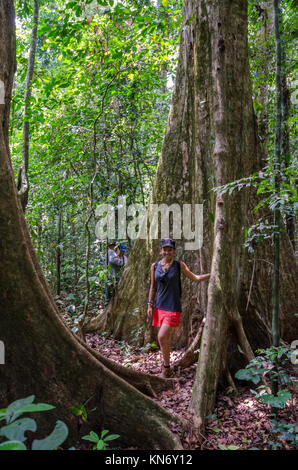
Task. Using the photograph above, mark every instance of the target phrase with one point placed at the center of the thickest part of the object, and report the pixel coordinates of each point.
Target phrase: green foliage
(257, 233)
(263, 182)
(262, 66)
(100, 100)
(285, 432)
(250, 374)
(15, 428)
(149, 346)
(80, 411)
(100, 443)
(230, 447)
(54, 440)
(278, 401)
(262, 61)
(270, 363)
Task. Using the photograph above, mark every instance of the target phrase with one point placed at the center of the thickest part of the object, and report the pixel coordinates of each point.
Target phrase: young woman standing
(166, 284)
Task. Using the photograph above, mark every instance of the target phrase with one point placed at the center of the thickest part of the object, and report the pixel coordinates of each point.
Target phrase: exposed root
(148, 384)
(244, 343)
(95, 324)
(191, 355)
(230, 380)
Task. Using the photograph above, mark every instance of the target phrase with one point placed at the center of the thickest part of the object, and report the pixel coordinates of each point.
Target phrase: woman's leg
(164, 338)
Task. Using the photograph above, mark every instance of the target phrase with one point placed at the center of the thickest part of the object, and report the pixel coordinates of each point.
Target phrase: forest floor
(239, 421)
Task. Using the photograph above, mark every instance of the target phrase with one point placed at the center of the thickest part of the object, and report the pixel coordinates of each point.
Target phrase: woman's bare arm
(151, 293)
(152, 284)
(194, 277)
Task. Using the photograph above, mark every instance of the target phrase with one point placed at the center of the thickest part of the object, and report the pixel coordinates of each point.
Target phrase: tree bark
(23, 182)
(265, 58)
(211, 139)
(277, 168)
(42, 356)
(59, 251)
(236, 153)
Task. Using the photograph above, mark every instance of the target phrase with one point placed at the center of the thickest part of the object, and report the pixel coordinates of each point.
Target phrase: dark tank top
(168, 287)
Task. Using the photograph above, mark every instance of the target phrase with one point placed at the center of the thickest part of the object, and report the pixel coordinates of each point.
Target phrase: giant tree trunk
(236, 153)
(42, 355)
(211, 139)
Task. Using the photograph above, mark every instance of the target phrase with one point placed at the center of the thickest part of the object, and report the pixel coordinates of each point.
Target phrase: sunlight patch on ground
(248, 403)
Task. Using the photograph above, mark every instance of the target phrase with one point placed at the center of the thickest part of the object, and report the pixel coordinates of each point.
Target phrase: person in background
(120, 251)
(166, 284)
(116, 259)
(112, 260)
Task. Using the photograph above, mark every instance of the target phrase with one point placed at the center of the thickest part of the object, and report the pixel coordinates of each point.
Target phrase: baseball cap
(167, 242)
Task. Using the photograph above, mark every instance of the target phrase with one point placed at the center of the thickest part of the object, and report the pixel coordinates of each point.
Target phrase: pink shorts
(165, 317)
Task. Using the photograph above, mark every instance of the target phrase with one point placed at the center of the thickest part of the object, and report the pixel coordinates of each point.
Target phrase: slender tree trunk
(277, 169)
(23, 183)
(75, 253)
(266, 58)
(59, 251)
(285, 143)
(42, 355)
(285, 150)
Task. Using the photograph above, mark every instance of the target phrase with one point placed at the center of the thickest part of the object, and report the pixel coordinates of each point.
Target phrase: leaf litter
(238, 422)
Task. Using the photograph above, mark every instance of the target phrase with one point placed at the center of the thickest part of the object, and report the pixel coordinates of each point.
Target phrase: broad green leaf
(278, 401)
(15, 431)
(55, 439)
(111, 437)
(246, 374)
(222, 447)
(12, 411)
(100, 445)
(12, 445)
(80, 410)
(215, 429)
(34, 407)
(93, 437)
